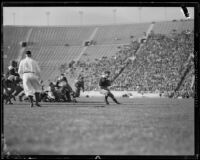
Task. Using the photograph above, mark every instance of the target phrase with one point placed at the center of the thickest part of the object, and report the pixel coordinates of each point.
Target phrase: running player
(104, 83)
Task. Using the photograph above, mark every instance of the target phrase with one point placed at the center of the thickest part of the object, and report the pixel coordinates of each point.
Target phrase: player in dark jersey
(64, 87)
(5, 96)
(13, 80)
(104, 83)
(79, 85)
(12, 69)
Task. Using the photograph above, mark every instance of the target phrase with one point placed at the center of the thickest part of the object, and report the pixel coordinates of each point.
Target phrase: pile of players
(60, 91)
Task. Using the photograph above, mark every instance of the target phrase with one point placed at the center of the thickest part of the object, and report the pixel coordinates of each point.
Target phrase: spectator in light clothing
(29, 71)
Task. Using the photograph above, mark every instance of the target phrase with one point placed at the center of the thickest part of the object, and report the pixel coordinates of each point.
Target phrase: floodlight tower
(48, 14)
(114, 15)
(81, 17)
(165, 10)
(13, 17)
(140, 9)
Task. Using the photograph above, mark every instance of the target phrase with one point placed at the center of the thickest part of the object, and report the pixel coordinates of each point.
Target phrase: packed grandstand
(161, 50)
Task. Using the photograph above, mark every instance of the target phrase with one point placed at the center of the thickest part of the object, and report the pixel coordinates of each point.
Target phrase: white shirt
(28, 65)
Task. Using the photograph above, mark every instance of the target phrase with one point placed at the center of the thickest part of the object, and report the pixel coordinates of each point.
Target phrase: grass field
(143, 126)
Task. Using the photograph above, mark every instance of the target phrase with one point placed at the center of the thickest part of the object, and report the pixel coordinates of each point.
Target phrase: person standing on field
(104, 83)
(29, 72)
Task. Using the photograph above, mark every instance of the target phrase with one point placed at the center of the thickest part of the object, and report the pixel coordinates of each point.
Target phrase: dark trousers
(37, 98)
(112, 97)
(77, 92)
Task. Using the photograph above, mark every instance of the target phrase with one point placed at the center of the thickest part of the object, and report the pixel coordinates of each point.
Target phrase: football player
(104, 83)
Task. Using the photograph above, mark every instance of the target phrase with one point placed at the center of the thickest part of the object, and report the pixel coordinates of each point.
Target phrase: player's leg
(31, 100)
(37, 89)
(18, 90)
(113, 97)
(8, 99)
(105, 93)
(106, 99)
(70, 93)
(37, 99)
(28, 88)
(12, 91)
(21, 95)
(56, 95)
(68, 96)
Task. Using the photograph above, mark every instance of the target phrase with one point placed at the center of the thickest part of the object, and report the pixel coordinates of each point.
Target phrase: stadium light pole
(13, 17)
(165, 10)
(114, 15)
(81, 17)
(48, 14)
(140, 19)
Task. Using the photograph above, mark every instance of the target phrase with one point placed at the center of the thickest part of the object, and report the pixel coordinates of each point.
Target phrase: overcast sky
(90, 15)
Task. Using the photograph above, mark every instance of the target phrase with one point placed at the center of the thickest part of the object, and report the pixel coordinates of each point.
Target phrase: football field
(139, 126)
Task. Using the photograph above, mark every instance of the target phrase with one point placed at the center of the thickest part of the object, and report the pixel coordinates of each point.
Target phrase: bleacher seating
(12, 36)
(53, 46)
(120, 34)
(99, 51)
(55, 55)
(168, 27)
(59, 36)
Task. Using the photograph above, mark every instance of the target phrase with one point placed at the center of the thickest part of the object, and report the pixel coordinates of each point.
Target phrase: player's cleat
(38, 105)
(20, 98)
(10, 103)
(115, 101)
(74, 100)
(107, 103)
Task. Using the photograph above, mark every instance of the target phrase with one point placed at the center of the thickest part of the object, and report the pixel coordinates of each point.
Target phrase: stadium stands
(59, 36)
(99, 51)
(12, 37)
(157, 67)
(55, 46)
(54, 55)
(120, 34)
(168, 27)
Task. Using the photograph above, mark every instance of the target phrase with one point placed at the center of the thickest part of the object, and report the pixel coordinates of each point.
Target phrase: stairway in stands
(145, 37)
(85, 48)
(72, 80)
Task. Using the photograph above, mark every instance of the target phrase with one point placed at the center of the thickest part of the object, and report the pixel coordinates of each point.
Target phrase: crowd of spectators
(158, 66)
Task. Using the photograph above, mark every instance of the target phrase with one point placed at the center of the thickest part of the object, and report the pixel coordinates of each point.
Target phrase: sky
(62, 16)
